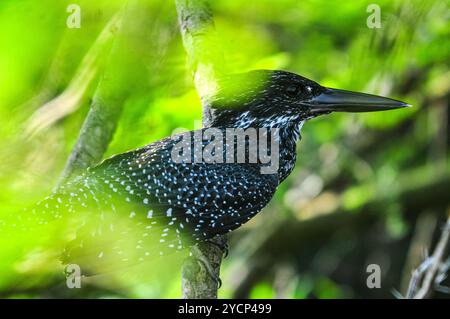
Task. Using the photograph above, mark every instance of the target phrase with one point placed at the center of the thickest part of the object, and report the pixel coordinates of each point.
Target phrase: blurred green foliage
(345, 161)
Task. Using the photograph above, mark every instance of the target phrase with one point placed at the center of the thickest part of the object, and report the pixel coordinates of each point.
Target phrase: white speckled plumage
(175, 205)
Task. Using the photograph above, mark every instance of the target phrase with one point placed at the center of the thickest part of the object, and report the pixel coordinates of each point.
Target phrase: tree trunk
(204, 58)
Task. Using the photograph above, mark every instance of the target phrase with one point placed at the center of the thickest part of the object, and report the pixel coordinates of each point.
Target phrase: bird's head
(266, 98)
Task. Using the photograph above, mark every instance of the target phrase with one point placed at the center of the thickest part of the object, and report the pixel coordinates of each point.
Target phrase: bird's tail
(70, 201)
(53, 208)
(35, 235)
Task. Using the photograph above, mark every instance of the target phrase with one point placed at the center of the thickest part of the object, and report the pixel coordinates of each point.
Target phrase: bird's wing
(174, 204)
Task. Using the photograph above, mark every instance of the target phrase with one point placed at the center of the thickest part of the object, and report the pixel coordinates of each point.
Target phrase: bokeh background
(368, 188)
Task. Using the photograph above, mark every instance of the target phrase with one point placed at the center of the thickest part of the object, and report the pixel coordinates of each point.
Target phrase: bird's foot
(198, 254)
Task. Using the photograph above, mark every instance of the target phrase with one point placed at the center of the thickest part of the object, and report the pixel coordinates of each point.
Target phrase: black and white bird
(144, 203)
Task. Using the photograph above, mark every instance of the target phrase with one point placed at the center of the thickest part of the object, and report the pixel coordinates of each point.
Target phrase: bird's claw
(205, 262)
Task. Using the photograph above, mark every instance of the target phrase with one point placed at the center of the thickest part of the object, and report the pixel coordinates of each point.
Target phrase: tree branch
(202, 47)
(432, 270)
(70, 99)
(106, 106)
(204, 58)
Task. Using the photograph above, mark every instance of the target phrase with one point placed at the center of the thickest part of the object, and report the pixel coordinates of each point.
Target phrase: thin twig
(433, 269)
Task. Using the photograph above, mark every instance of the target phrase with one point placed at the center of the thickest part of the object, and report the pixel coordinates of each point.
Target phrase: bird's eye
(292, 90)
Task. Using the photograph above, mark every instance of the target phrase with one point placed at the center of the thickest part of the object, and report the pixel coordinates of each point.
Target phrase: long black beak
(334, 100)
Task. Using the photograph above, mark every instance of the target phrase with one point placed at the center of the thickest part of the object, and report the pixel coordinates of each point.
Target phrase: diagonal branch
(69, 100)
(106, 107)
